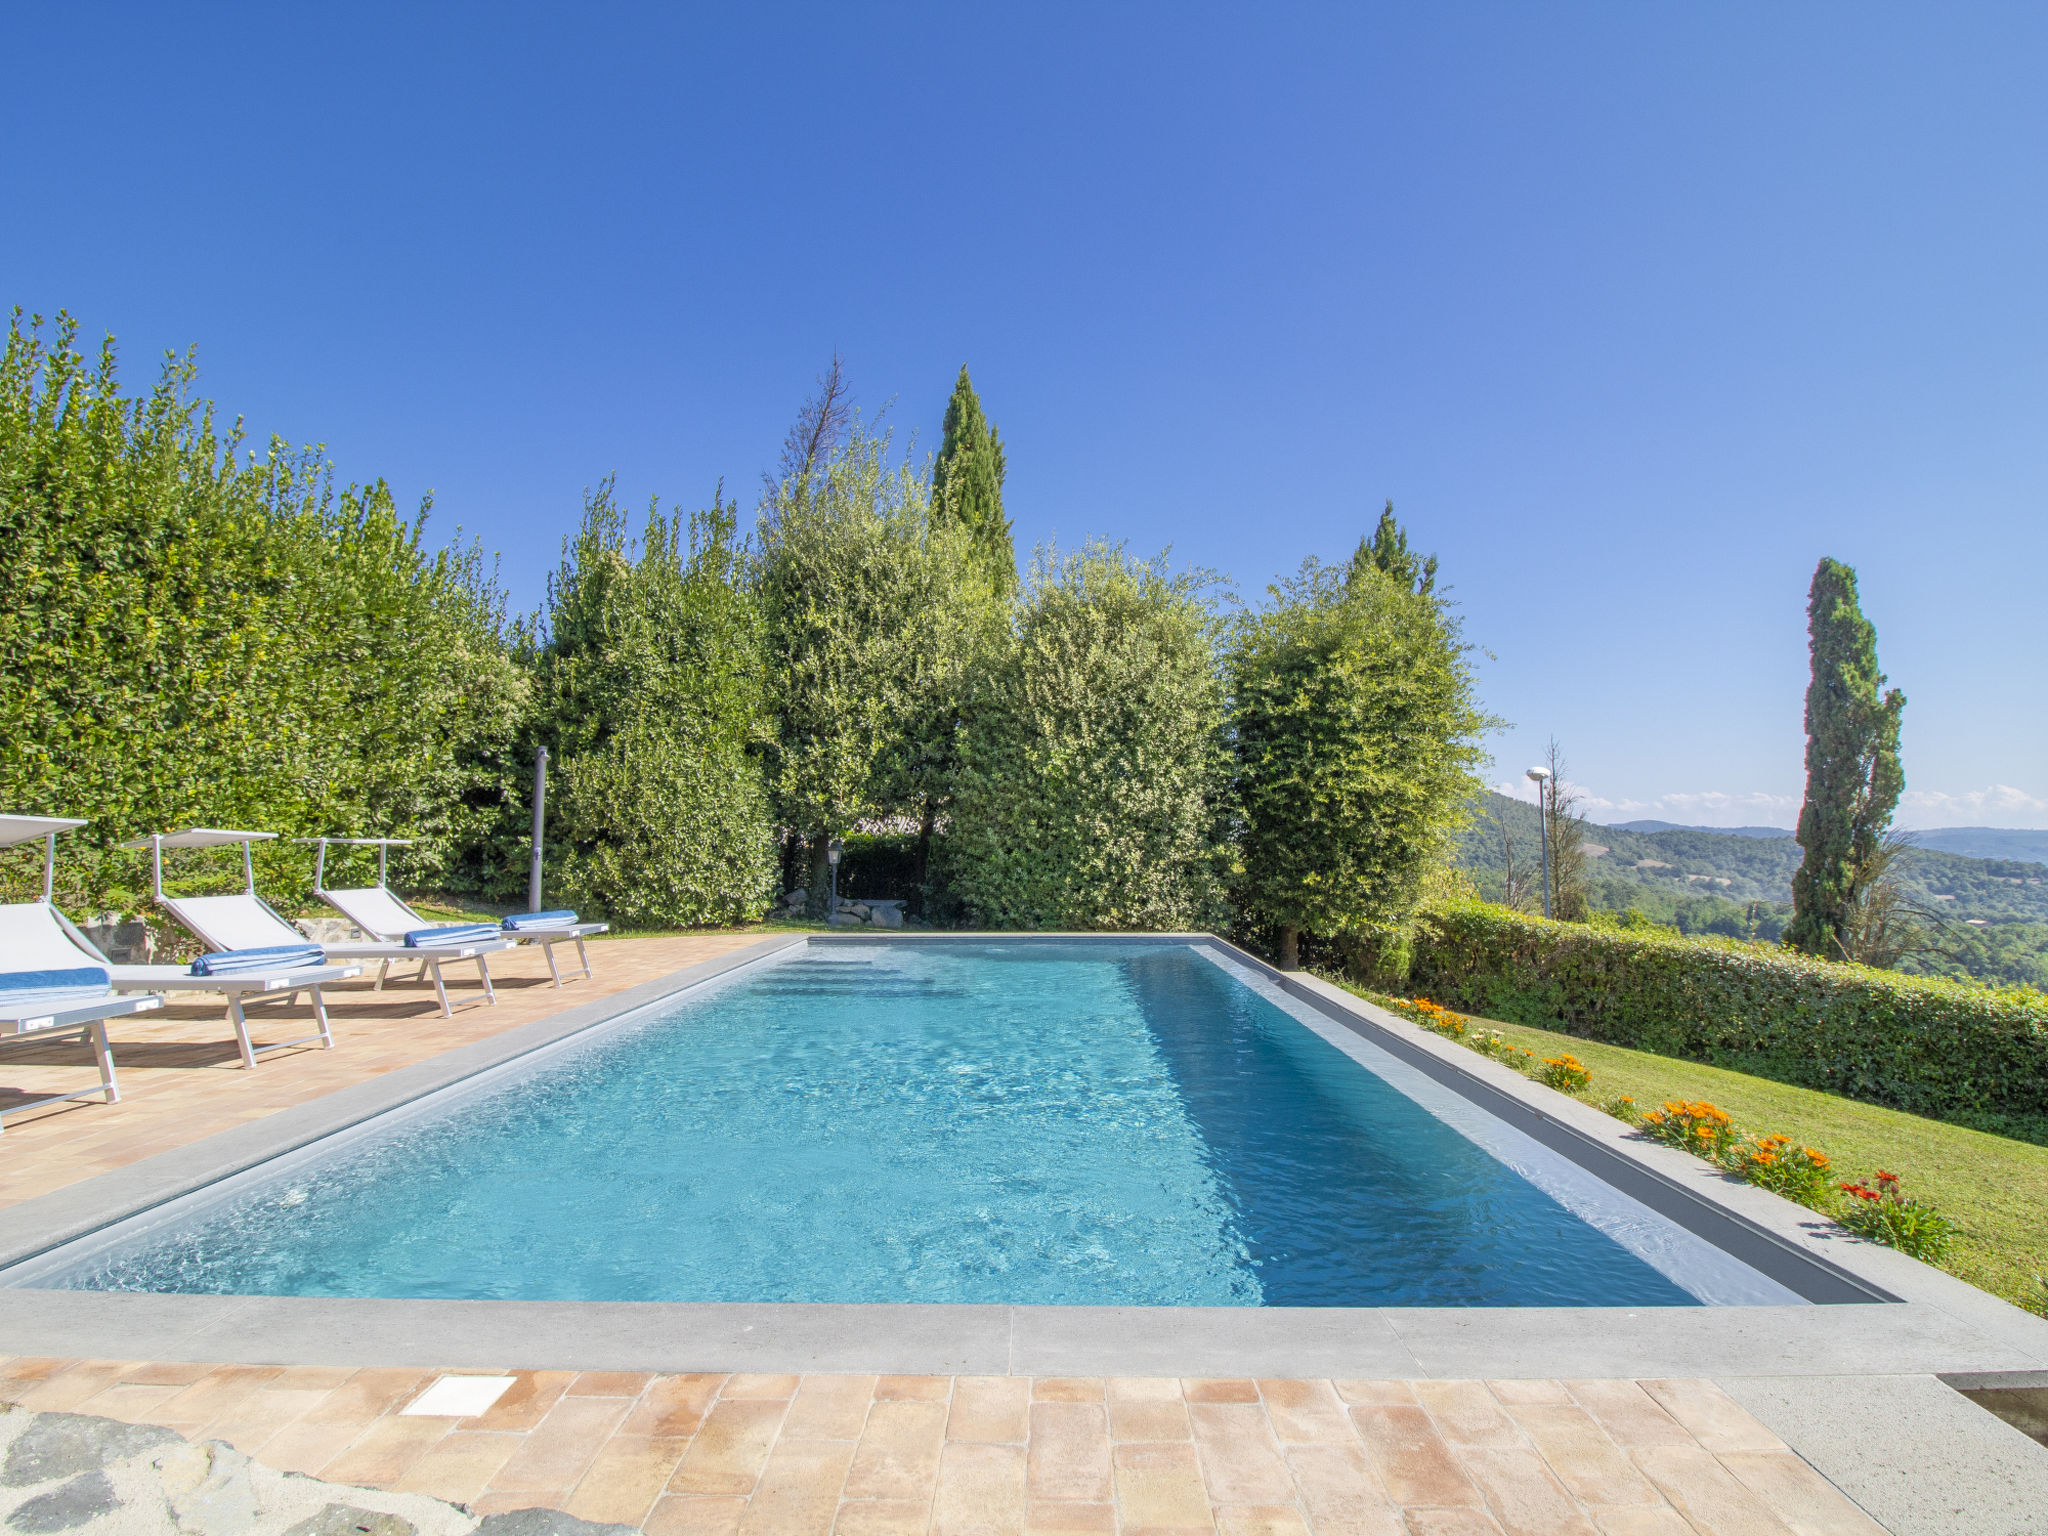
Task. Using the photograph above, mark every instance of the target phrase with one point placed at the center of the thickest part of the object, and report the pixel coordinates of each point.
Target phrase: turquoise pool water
(1013, 1123)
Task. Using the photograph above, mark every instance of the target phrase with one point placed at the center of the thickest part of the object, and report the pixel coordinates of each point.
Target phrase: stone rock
(85, 1498)
(894, 901)
(350, 1520)
(66, 1444)
(888, 917)
(546, 1522)
(209, 1489)
(845, 919)
(859, 909)
(796, 898)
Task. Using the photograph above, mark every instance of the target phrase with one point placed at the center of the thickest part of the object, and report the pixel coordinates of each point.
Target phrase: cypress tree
(1853, 775)
(967, 484)
(1387, 551)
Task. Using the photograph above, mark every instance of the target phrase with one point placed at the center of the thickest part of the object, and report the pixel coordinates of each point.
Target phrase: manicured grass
(1995, 1188)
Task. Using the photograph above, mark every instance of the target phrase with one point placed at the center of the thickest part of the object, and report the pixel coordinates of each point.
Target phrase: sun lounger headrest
(451, 933)
(527, 922)
(23, 989)
(270, 957)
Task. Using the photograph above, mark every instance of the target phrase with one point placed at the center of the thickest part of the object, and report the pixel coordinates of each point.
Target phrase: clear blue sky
(1634, 310)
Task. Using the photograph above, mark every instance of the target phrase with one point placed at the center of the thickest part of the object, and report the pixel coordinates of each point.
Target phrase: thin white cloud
(1996, 805)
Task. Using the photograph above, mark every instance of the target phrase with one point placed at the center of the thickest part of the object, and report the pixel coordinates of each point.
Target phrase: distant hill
(1987, 842)
(1673, 826)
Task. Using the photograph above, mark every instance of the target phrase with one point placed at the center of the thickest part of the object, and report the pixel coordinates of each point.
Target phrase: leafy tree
(1387, 552)
(196, 634)
(1853, 774)
(1564, 829)
(1092, 778)
(651, 682)
(967, 484)
(1356, 733)
(871, 607)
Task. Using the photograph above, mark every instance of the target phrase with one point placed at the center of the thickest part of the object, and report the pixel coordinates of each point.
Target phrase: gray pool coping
(1935, 1324)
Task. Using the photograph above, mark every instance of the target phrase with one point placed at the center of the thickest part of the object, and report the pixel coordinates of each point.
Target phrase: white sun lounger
(247, 921)
(36, 934)
(379, 911)
(80, 1002)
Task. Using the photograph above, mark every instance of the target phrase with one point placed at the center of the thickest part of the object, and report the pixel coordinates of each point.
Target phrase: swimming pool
(1014, 1123)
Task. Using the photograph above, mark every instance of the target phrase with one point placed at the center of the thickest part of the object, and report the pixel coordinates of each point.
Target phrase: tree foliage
(967, 484)
(1092, 778)
(1356, 734)
(194, 634)
(649, 685)
(1387, 552)
(1853, 774)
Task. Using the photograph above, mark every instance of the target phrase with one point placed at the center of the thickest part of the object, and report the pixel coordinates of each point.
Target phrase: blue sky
(1634, 311)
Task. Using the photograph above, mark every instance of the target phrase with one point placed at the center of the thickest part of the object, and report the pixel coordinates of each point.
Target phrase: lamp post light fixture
(1541, 776)
(833, 850)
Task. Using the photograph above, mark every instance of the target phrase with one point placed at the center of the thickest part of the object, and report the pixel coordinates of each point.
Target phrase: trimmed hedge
(1931, 1047)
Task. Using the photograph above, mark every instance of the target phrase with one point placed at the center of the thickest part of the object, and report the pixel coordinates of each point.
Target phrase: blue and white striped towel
(34, 991)
(270, 957)
(450, 934)
(536, 922)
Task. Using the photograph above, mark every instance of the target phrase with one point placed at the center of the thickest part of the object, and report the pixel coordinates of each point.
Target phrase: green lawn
(1995, 1188)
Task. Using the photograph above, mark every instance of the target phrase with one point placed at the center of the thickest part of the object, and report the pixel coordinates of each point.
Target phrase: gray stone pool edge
(1936, 1324)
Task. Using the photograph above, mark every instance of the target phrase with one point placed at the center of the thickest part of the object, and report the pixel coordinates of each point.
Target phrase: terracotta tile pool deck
(706, 1455)
(864, 1455)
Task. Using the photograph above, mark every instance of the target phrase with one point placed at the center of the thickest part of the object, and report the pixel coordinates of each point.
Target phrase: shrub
(1691, 1126)
(1091, 785)
(1885, 1214)
(1922, 1044)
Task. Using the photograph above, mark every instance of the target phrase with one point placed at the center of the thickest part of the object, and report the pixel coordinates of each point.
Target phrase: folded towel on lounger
(271, 957)
(29, 991)
(449, 934)
(531, 922)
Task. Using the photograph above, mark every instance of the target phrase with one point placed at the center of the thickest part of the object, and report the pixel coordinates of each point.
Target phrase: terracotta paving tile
(1305, 1411)
(1519, 1391)
(1716, 1420)
(1160, 1487)
(727, 1454)
(609, 1384)
(509, 1503)
(559, 1449)
(261, 1416)
(1523, 1495)
(980, 1490)
(1065, 1518)
(122, 1400)
(673, 1405)
(1452, 1522)
(1214, 1390)
(526, 1402)
(989, 1409)
(310, 1378)
(1260, 1520)
(799, 1488)
(1068, 1456)
(883, 1517)
(1143, 1389)
(367, 1395)
(168, 1374)
(1369, 1393)
(753, 1385)
(1146, 1408)
(1067, 1389)
(1413, 1463)
(1466, 1413)
(1239, 1458)
(65, 1390)
(1593, 1467)
(681, 1515)
(898, 1456)
(460, 1465)
(1707, 1493)
(918, 1388)
(23, 1368)
(1341, 1492)
(1662, 1520)
(221, 1393)
(627, 1475)
(386, 1451)
(829, 1408)
(1628, 1414)
(1799, 1495)
(305, 1447)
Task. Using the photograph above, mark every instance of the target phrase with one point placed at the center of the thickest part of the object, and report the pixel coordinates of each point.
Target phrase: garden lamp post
(1541, 777)
(833, 850)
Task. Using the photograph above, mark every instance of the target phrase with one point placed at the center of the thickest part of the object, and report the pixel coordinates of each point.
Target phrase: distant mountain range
(1971, 842)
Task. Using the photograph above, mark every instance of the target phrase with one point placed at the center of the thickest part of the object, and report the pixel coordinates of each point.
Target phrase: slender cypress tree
(1387, 550)
(967, 484)
(1853, 775)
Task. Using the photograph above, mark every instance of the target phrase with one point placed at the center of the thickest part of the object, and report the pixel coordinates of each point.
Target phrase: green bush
(1932, 1047)
(1092, 774)
(192, 634)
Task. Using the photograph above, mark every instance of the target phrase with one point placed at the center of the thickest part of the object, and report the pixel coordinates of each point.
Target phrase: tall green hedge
(1939, 1048)
(191, 633)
